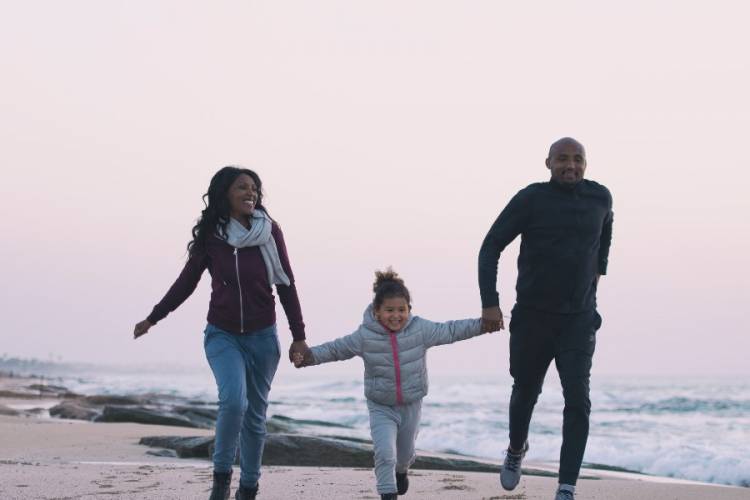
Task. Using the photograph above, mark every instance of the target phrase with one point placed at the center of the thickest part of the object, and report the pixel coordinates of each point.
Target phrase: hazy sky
(385, 133)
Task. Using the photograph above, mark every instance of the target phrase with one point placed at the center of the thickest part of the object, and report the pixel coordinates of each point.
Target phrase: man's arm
(605, 240)
(509, 224)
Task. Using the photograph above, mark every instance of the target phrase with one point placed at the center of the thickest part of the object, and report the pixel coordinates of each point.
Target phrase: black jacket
(565, 238)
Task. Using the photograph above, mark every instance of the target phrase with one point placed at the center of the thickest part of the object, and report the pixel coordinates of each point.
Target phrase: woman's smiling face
(242, 197)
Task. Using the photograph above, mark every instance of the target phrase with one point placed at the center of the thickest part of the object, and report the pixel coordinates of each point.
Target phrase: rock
(300, 450)
(275, 425)
(7, 410)
(200, 416)
(296, 449)
(185, 447)
(36, 411)
(437, 462)
(320, 423)
(73, 410)
(70, 395)
(26, 394)
(162, 453)
(112, 399)
(48, 389)
(142, 415)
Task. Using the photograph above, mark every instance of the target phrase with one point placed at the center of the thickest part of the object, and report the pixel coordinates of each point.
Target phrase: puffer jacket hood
(395, 362)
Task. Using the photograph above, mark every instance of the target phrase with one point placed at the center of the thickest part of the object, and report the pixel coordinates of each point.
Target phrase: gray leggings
(394, 431)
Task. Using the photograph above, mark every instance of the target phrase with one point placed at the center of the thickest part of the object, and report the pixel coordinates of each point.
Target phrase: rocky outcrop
(6, 410)
(185, 447)
(112, 399)
(316, 451)
(74, 410)
(142, 415)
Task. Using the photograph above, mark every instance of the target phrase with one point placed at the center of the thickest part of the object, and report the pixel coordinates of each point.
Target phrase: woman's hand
(297, 347)
(305, 359)
(141, 328)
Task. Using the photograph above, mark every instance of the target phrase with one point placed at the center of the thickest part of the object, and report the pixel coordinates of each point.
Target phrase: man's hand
(297, 347)
(492, 319)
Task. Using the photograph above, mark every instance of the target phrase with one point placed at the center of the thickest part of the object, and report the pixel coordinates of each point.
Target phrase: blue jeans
(244, 366)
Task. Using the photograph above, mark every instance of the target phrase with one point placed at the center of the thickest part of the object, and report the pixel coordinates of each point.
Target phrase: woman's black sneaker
(388, 496)
(402, 483)
(221, 486)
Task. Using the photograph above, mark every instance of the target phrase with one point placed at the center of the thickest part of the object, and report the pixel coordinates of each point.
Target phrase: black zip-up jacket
(565, 238)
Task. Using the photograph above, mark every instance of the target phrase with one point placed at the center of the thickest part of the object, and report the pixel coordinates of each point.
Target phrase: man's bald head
(566, 161)
(565, 141)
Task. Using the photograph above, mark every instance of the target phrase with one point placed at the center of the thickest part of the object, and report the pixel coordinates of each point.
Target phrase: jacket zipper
(397, 366)
(239, 286)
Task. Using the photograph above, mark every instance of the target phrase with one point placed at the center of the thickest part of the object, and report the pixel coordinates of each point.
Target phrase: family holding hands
(566, 227)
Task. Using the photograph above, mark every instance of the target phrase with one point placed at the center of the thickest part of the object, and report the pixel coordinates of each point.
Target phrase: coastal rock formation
(6, 410)
(185, 447)
(74, 410)
(142, 415)
(318, 451)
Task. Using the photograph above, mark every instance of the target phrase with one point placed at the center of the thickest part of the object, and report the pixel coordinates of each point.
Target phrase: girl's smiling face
(393, 313)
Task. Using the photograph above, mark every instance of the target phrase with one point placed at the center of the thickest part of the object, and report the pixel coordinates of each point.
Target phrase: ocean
(696, 429)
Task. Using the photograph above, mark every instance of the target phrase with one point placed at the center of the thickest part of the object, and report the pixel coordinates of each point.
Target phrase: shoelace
(565, 495)
(513, 461)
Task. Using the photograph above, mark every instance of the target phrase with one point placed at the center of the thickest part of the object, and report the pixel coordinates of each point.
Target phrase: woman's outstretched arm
(182, 288)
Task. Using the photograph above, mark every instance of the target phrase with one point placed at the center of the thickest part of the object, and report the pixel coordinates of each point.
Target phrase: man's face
(567, 162)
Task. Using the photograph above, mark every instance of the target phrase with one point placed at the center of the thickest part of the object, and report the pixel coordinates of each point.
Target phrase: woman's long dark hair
(215, 216)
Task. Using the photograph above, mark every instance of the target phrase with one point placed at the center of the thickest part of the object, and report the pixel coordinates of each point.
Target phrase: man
(566, 228)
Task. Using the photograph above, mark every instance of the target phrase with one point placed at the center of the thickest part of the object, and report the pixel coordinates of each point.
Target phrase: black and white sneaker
(510, 474)
(565, 492)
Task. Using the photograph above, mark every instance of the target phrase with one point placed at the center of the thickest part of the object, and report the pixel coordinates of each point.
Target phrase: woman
(243, 250)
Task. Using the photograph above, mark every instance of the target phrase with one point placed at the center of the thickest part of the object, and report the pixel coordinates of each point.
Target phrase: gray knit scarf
(259, 235)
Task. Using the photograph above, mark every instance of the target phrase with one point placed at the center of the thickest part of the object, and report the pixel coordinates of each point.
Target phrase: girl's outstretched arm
(450, 331)
(336, 350)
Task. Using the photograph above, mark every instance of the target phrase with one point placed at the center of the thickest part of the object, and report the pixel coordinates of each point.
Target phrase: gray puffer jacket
(395, 363)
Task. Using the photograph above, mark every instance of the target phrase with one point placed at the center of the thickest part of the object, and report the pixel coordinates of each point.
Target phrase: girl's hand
(141, 328)
(298, 346)
(305, 359)
(299, 358)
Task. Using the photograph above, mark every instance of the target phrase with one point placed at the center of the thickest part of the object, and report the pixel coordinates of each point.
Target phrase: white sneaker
(510, 474)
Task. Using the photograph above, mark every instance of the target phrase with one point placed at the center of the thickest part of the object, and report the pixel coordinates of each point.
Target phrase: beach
(60, 458)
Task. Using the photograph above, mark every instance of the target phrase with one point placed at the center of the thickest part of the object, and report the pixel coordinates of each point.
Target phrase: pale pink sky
(385, 133)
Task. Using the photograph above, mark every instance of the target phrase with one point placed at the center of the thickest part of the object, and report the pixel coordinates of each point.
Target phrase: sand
(60, 459)
(43, 458)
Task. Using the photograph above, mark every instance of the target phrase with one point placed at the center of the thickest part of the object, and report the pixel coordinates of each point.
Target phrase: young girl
(393, 345)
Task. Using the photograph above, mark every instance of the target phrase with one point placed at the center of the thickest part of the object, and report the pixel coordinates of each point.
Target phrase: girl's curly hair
(388, 285)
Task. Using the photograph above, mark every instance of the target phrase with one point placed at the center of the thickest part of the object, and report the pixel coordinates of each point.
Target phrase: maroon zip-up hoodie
(241, 296)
